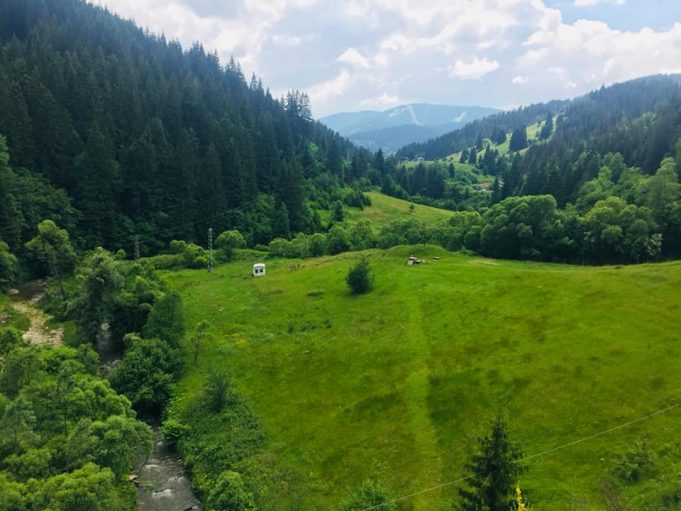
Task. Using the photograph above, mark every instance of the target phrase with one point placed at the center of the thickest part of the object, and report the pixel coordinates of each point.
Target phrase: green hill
(394, 385)
(384, 208)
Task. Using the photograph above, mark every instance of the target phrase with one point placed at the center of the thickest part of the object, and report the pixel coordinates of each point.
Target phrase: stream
(162, 484)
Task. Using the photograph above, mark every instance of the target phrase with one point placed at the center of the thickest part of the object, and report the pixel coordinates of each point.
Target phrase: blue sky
(375, 54)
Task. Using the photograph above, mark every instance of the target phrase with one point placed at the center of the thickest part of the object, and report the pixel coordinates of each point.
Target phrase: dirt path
(39, 332)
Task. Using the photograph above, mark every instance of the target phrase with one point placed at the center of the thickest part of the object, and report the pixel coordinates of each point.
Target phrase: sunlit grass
(395, 384)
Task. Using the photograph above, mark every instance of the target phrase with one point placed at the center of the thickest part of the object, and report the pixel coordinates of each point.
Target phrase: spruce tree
(518, 139)
(547, 129)
(10, 215)
(493, 473)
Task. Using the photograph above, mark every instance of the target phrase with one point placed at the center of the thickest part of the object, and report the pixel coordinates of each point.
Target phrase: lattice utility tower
(210, 250)
(137, 246)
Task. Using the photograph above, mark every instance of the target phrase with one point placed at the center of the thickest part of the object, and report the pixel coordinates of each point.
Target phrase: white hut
(259, 270)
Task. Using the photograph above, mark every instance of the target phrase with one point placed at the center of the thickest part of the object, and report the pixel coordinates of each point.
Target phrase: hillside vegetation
(384, 209)
(395, 384)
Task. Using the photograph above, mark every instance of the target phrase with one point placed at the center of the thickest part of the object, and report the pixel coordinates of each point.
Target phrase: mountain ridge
(395, 127)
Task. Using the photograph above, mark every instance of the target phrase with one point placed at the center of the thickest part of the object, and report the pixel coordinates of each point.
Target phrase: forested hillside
(640, 120)
(146, 138)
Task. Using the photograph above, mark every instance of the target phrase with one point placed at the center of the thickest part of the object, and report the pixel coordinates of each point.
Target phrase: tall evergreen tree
(518, 139)
(10, 216)
(547, 128)
(493, 473)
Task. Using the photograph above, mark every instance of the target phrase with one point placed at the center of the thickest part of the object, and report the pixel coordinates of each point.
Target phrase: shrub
(10, 338)
(635, 464)
(173, 430)
(337, 240)
(230, 494)
(216, 393)
(228, 241)
(280, 247)
(360, 278)
(317, 245)
(368, 495)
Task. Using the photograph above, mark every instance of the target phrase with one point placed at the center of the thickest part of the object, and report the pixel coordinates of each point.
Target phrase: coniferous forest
(148, 139)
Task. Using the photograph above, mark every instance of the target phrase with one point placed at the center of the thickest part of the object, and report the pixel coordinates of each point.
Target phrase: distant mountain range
(402, 125)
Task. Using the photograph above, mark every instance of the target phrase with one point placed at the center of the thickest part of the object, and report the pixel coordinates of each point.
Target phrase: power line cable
(537, 455)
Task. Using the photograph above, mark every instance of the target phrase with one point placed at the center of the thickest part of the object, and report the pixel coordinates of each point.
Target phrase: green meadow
(384, 209)
(396, 385)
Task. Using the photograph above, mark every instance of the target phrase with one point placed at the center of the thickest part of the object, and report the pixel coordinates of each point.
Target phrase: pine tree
(547, 129)
(492, 473)
(281, 226)
(473, 156)
(97, 188)
(518, 139)
(10, 215)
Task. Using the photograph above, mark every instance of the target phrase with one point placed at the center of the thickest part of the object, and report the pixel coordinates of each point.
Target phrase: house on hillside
(259, 270)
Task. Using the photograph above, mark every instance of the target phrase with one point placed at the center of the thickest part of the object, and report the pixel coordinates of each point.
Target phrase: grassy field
(532, 134)
(384, 209)
(396, 384)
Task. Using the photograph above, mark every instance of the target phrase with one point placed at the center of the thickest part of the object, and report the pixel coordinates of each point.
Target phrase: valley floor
(396, 385)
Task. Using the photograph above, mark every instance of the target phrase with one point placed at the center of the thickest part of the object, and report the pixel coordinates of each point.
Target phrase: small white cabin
(259, 270)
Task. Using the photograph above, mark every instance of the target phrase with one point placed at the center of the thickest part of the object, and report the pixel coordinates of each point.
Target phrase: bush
(146, 374)
(317, 245)
(300, 246)
(10, 338)
(174, 430)
(368, 495)
(280, 247)
(635, 464)
(337, 240)
(188, 255)
(227, 242)
(230, 494)
(216, 392)
(360, 278)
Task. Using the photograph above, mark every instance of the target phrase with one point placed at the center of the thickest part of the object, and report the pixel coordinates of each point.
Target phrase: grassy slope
(384, 209)
(532, 133)
(395, 384)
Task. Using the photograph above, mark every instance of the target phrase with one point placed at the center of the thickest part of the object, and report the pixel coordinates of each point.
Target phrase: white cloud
(355, 53)
(383, 101)
(590, 53)
(474, 69)
(326, 90)
(590, 3)
(286, 39)
(352, 56)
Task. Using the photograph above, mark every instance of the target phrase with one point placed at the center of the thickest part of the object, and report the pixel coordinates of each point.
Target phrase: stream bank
(163, 483)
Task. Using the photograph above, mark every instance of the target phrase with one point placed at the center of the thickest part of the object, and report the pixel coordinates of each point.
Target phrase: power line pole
(137, 246)
(210, 250)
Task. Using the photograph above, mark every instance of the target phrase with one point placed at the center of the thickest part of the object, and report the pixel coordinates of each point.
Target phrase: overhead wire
(533, 456)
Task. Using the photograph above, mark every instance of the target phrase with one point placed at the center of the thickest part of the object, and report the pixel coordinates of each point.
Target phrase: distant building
(259, 270)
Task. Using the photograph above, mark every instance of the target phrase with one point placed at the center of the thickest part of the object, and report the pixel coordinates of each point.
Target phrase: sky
(351, 55)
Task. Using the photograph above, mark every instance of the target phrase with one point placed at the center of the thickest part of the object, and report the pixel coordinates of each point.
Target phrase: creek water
(163, 484)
